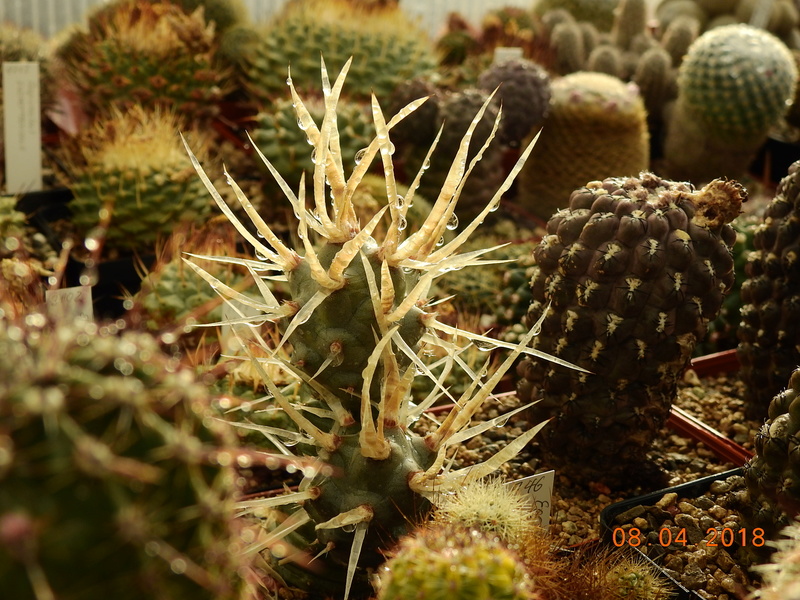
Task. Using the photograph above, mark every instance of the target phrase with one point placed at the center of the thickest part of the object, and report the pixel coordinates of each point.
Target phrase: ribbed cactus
(444, 563)
(626, 280)
(129, 172)
(357, 324)
(114, 480)
(734, 83)
(387, 48)
(768, 333)
(135, 52)
(525, 94)
(773, 474)
(596, 128)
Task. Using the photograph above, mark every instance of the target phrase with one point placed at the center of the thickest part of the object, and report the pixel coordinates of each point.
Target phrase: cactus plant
(524, 90)
(135, 52)
(129, 174)
(773, 496)
(114, 481)
(357, 325)
(734, 83)
(598, 12)
(387, 48)
(633, 269)
(768, 330)
(596, 128)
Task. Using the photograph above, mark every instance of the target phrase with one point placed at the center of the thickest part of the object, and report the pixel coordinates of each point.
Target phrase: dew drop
(314, 156)
(301, 125)
(483, 346)
(426, 165)
(400, 202)
(348, 528)
(440, 242)
(494, 207)
(288, 81)
(453, 222)
(402, 224)
(360, 156)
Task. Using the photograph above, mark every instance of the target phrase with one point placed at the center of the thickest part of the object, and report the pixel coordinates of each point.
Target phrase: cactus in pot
(626, 279)
(357, 324)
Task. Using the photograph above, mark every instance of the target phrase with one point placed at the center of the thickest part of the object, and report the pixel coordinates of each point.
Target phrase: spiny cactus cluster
(357, 325)
(114, 480)
(387, 48)
(627, 279)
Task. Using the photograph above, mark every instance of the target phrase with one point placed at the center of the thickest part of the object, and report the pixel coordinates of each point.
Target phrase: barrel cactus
(387, 48)
(357, 324)
(768, 331)
(114, 481)
(734, 83)
(596, 128)
(129, 175)
(626, 280)
(135, 52)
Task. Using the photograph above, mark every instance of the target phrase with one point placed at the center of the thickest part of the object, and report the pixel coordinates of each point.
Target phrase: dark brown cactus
(629, 274)
(770, 326)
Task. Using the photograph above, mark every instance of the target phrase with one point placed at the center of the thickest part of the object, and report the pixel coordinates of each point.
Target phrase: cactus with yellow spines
(135, 52)
(129, 174)
(357, 324)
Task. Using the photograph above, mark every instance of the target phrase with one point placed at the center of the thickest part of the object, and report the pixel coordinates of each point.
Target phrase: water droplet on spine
(453, 222)
(400, 202)
(440, 242)
(360, 156)
(288, 81)
(402, 224)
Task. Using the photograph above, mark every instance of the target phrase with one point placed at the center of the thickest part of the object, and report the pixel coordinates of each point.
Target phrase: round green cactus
(444, 563)
(387, 48)
(130, 172)
(737, 80)
(114, 480)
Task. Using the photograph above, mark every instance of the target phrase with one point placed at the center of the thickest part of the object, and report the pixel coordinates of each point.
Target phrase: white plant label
(505, 53)
(539, 489)
(22, 127)
(70, 304)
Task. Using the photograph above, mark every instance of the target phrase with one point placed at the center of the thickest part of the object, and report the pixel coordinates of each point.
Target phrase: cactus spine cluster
(357, 324)
(626, 280)
(130, 176)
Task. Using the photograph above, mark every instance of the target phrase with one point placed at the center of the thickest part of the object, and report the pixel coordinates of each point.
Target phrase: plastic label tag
(505, 53)
(22, 127)
(539, 489)
(70, 304)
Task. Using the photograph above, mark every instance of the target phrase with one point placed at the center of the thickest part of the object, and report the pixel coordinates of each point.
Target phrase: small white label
(22, 126)
(70, 304)
(539, 489)
(505, 53)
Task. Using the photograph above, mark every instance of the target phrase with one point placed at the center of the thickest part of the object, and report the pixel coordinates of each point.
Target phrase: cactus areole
(357, 323)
